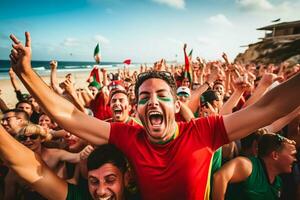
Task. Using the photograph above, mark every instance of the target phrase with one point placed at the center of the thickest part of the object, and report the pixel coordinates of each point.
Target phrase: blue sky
(143, 30)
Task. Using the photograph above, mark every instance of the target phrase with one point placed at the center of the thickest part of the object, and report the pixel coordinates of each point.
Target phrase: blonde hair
(34, 129)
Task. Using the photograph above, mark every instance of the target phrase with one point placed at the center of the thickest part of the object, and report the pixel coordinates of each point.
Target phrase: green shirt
(256, 186)
(77, 193)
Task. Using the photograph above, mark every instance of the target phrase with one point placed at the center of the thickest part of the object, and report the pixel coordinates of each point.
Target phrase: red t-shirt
(178, 169)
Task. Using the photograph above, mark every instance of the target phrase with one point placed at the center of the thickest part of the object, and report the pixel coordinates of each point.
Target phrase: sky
(142, 30)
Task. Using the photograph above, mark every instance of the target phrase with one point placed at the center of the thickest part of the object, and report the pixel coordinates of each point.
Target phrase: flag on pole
(187, 72)
(127, 61)
(191, 54)
(95, 74)
(96, 54)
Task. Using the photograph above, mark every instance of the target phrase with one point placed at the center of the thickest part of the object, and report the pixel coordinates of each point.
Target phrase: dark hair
(247, 142)
(209, 96)
(42, 113)
(19, 113)
(163, 75)
(270, 142)
(24, 101)
(104, 154)
(114, 92)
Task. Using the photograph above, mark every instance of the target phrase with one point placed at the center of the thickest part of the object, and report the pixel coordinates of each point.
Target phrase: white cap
(183, 89)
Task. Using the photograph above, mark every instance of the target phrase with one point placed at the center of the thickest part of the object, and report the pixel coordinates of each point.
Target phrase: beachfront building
(283, 30)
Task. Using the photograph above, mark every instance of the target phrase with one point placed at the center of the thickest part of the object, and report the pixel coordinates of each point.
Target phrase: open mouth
(118, 111)
(106, 198)
(155, 118)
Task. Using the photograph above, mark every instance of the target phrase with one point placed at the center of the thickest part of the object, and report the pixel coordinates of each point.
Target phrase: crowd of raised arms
(197, 130)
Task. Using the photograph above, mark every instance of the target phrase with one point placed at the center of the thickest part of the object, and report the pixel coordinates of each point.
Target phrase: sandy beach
(9, 96)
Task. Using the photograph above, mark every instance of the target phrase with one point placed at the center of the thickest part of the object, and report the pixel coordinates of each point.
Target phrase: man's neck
(271, 170)
(172, 134)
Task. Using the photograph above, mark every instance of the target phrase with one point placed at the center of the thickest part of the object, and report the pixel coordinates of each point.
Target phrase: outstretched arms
(62, 111)
(277, 103)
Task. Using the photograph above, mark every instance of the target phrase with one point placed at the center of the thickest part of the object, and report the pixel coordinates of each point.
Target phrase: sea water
(43, 67)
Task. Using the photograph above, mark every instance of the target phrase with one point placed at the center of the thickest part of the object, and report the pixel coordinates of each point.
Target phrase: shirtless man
(32, 137)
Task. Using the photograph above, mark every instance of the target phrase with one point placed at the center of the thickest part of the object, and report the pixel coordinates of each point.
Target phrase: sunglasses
(183, 94)
(24, 137)
(163, 73)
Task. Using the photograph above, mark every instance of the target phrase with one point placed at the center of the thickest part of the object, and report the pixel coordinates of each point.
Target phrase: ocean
(43, 68)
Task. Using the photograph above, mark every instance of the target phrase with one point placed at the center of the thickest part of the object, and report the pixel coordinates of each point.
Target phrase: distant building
(284, 30)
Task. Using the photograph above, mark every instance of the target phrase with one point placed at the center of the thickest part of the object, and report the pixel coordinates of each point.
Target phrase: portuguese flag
(97, 54)
(95, 74)
(187, 70)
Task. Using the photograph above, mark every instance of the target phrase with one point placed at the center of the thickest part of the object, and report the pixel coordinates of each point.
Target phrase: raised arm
(236, 170)
(63, 112)
(30, 167)
(3, 106)
(282, 122)
(275, 104)
(53, 78)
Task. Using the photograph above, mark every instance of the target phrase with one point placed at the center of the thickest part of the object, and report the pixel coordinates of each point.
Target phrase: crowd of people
(198, 130)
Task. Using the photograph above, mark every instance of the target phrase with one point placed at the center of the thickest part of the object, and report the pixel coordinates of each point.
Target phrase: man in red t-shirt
(171, 160)
(120, 108)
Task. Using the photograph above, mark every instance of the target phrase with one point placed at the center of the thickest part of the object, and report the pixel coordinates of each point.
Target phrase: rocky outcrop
(272, 51)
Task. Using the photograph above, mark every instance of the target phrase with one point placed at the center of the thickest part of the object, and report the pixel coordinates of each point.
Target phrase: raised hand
(53, 64)
(269, 78)
(184, 47)
(20, 55)
(11, 73)
(84, 154)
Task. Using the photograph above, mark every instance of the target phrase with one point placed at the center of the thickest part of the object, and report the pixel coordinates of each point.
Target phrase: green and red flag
(95, 75)
(97, 54)
(187, 70)
(191, 54)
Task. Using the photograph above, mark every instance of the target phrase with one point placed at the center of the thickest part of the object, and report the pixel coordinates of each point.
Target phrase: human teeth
(155, 118)
(104, 198)
(154, 113)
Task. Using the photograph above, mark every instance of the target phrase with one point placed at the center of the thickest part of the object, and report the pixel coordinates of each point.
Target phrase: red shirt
(178, 169)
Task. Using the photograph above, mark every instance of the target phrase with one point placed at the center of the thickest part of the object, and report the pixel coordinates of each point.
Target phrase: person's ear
(274, 155)
(127, 178)
(129, 107)
(177, 106)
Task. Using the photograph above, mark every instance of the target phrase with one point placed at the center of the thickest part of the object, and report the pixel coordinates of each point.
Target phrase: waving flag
(127, 62)
(95, 74)
(191, 54)
(96, 54)
(187, 69)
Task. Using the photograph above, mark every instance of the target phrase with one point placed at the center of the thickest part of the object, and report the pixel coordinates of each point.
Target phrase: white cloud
(255, 4)
(70, 42)
(220, 20)
(179, 4)
(101, 39)
(264, 5)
